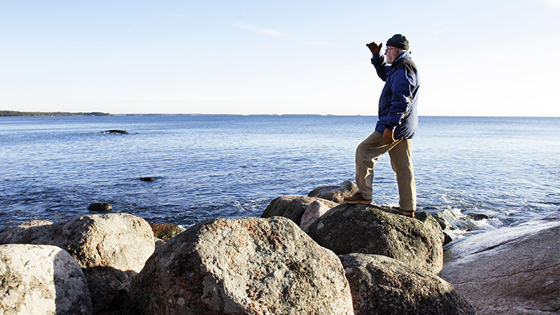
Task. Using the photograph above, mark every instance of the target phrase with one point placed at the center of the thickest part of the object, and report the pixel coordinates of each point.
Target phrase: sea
(231, 166)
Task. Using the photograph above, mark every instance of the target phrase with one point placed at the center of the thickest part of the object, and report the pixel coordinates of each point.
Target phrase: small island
(13, 113)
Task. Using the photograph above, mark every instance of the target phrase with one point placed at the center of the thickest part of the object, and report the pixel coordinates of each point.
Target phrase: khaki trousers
(367, 154)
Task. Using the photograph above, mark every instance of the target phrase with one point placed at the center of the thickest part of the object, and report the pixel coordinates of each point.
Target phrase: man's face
(391, 53)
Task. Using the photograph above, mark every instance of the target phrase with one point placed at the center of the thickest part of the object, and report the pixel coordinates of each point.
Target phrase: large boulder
(111, 249)
(368, 229)
(383, 285)
(291, 207)
(335, 193)
(41, 279)
(511, 270)
(241, 266)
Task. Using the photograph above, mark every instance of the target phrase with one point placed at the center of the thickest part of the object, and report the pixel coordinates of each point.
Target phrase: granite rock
(314, 211)
(383, 285)
(335, 193)
(111, 249)
(367, 229)
(291, 207)
(41, 279)
(241, 266)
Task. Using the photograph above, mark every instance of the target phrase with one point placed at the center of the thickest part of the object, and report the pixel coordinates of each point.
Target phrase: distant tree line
(16, 113)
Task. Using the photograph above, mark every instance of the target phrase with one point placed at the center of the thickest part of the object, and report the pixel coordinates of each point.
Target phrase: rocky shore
(305, 255)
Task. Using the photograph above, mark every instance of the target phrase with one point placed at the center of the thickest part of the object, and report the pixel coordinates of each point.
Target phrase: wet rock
(41, 279)
(110, 248)
(449, 221)
(291, 207)
(165, 231)
(314, 211)
(100, 207)
(241, 266)
(511, 270)
(447, 238)
(480, 216)
(335, 193)
(116, 132)
(368, 229)
(382, 285)
(429, 220)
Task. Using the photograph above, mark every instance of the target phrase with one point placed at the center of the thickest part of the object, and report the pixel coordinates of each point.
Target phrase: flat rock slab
(511, 270)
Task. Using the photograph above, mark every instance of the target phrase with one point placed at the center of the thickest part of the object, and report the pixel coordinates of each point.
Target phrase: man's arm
(388, 136)
(378, 60)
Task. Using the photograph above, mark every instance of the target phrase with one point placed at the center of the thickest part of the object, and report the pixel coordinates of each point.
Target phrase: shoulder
(407, 65)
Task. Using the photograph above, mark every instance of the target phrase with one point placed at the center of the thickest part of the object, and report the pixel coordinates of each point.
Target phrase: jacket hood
(405, 55)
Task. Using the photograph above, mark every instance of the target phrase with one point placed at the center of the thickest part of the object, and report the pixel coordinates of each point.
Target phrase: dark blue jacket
(399, 98)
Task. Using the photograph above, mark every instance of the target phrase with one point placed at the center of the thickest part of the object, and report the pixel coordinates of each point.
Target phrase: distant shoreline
(13, 113)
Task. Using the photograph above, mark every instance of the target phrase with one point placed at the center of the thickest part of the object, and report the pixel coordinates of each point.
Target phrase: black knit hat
(398, 41)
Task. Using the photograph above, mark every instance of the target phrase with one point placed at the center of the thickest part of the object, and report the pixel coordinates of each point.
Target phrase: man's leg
(401, 161)
(367, 154)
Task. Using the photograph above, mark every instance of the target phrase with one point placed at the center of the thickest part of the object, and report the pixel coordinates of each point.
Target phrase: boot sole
(361, 202)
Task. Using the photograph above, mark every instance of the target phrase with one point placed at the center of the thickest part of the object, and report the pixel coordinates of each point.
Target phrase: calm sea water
(211, 166)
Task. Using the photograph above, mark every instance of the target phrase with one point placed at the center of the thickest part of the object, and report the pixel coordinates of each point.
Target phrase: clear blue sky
(475, 57)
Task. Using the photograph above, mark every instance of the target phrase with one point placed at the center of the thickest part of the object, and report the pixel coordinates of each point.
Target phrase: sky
(474, 57)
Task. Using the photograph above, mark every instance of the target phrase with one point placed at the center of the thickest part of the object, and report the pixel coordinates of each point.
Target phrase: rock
(241, 266)
(368, 229)
(148, 179)
(28, 233)
(17, 234)
(449, 221)
(383, 285)
(110, 248)
(291, 207)
(41, 279)
(165, 231)
(116, 132)
(511, 270)
(427, 219)
(480, 216)
(100, 207)
(314, 211)
(447, 238)
(335, 193)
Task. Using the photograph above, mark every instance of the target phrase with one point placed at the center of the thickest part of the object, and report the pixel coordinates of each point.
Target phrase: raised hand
(374, 47)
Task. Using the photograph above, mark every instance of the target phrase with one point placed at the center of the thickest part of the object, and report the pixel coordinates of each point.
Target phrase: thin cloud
(258, 30)
(277, 34)
(553, 4)
(438, 32)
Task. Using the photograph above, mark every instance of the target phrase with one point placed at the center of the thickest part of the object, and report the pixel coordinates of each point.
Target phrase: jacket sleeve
(378, 61)
(403, 87)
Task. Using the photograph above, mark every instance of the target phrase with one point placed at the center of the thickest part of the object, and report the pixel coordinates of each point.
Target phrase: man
(397, 122)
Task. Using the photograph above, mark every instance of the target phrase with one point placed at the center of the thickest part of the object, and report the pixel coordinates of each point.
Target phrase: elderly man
(397, 122)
